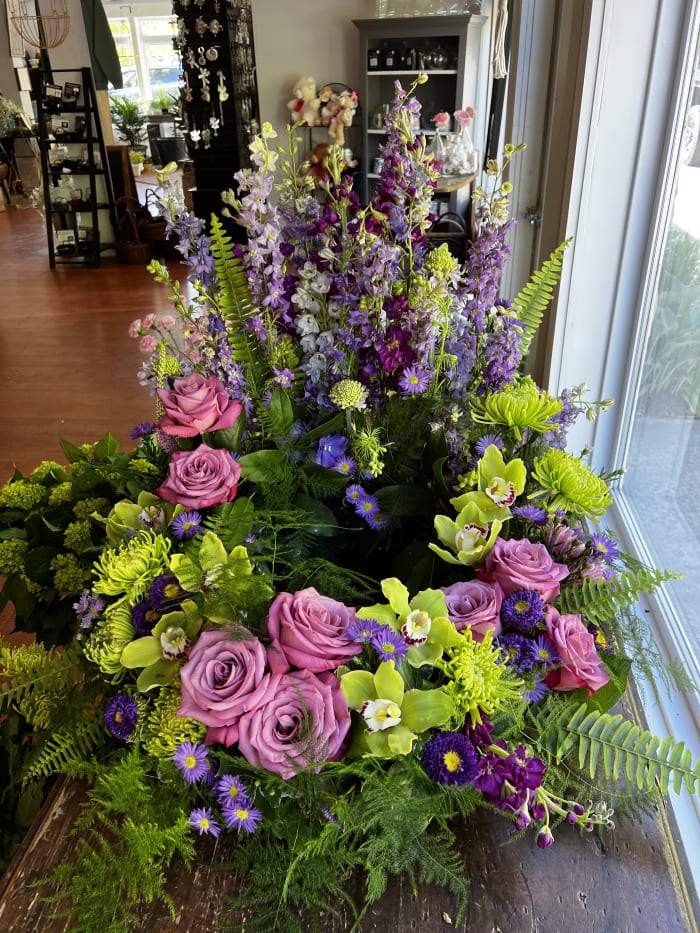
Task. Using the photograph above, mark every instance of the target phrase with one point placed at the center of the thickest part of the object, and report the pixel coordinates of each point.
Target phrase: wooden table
(631, 881)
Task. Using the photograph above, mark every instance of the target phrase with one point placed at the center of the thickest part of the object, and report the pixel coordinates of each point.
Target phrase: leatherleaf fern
(618, 746)
(532, 300)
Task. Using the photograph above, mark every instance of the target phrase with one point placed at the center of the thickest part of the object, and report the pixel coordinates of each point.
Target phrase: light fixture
(40, 30)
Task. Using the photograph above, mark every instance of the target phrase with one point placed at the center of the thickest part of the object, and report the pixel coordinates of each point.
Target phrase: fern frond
(533, 299)
(616, 743)
(37, 679)
(602, 600)
(235, 306)
(63, 749)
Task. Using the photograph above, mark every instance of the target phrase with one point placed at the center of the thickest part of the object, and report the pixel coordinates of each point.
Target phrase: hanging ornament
(221, 89)
(201, 61)
(204, 78)
(200, 27)
(195, 136)
(206, 138)
(187, 92)
(190, 59)
(215, 27)
(214, 123)
(212, 53)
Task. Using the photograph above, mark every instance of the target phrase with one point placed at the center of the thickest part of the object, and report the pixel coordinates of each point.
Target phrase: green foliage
(534, 297)
(599, 601)
(126, 835)
(618, 744)
(63, 748)
(128, 118)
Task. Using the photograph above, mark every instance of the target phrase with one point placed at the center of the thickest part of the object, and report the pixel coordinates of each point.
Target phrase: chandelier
(40, 30)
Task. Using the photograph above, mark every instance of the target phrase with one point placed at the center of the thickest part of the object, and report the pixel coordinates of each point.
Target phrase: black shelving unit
(78, 191)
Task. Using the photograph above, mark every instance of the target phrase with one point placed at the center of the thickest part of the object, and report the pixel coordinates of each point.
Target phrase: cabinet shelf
(413, 72)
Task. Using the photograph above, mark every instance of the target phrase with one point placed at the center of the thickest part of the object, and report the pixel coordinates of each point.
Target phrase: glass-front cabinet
(447, 48)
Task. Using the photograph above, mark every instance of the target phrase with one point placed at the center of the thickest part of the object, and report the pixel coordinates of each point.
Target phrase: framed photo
(53, 91)
(71, 93)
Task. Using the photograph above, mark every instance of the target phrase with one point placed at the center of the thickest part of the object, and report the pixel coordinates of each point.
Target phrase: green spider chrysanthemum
(130, 569)
(349, 394)
(164, 730)
(478, 680)
(107, 640)
(69, 575)
(572, 486)
(519, 406)
(21, 495)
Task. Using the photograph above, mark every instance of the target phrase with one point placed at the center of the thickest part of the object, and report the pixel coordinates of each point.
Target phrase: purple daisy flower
(388, 644)
(367, 507)
(545, 651)
(186, 525)
(517, 650)
(88, 607)
(531, 513)
(414, 381)
(230, 791)
(362, 630)
(345, 465)
(142, 429)
(354, 493)
(604, 547)
(522, 610)
(191, 759)
(538, 691)
(201, 818)
(121, 715)
(486, 441)
(242, 818)
(450, 758)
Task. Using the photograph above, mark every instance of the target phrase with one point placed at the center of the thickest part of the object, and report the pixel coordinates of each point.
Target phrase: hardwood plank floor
(67, 364)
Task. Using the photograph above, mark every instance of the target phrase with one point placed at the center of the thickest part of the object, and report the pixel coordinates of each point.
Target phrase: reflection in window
(149, 60)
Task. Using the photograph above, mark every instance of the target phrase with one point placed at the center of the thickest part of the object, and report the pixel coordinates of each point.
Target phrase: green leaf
(260, 466)
(281, 413)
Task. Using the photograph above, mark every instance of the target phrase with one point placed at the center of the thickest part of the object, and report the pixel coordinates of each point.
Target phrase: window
(149, 59)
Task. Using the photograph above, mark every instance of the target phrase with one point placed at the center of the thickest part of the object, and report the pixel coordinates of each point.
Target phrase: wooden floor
(68, 368)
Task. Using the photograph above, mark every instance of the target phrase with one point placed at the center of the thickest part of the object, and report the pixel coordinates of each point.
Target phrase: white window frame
(619, 205)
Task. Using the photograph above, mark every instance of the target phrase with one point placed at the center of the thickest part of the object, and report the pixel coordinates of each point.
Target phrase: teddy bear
(305, 104)
(346, 105)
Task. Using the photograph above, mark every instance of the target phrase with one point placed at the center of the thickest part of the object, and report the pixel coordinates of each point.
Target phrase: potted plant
(137, 160)
(162, 101)
(9, 111)
(129, 120)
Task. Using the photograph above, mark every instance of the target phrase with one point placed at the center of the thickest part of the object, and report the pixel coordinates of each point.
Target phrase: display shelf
(78, 191)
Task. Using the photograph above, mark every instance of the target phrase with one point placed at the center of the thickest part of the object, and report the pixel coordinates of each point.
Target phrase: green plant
(8, 111)
(129, 119)
(137, 158)
(162, 100)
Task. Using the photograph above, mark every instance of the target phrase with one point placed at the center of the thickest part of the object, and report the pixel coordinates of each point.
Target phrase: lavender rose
(200, 478)
(224, 677)
(301, 721)
(196, 404)
(521, 565)
(581, 666)
(475, 604)
(309, 631)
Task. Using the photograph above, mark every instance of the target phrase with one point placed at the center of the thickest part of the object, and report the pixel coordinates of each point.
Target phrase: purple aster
(345, 465)
(362, 630)
(144, 616)
(191, 759)
(121, 715)
(545, 651)
(522, 610)
(201, 818)
(388, 644)
(531, 513)
(538, 691)
(88, 607)
(486, 441)
(330, 449)
(164, 591)
(517, 650)
(414, 381)
(354, 494)
(450, 758)
(367, 506)
(604, 547)
(230, 791)
(186, 525)
(142, 429)
(245, 818)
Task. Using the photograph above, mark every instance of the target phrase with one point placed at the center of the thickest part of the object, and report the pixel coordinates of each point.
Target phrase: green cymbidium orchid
(161, 653)
(500, 484)
(393, 718)
(148, 511)
(423, 621)
(468, 536)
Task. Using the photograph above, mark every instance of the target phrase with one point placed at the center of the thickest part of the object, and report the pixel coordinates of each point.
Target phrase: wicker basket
(131, 247)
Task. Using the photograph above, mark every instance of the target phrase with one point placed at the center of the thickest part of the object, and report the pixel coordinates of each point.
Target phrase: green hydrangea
(108, 639)
(84, 508)
(77, 536)
(12, 555)
(144, 467)
(69, 575)
(21, 494)
(61, 493)
(48, 469)
(164, 730)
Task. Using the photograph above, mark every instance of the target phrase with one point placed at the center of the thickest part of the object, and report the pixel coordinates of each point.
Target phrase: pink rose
(521, 565)
(224, 677)
(200, 478)
(581, 666)
(474, 604)
(302, 720)
(309, 631)
(196, 404)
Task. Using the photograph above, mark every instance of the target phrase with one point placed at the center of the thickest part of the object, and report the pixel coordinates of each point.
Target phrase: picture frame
(53, 91)
(70, 93)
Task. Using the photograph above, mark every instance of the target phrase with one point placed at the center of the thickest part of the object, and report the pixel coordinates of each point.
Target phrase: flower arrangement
(349, 584)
